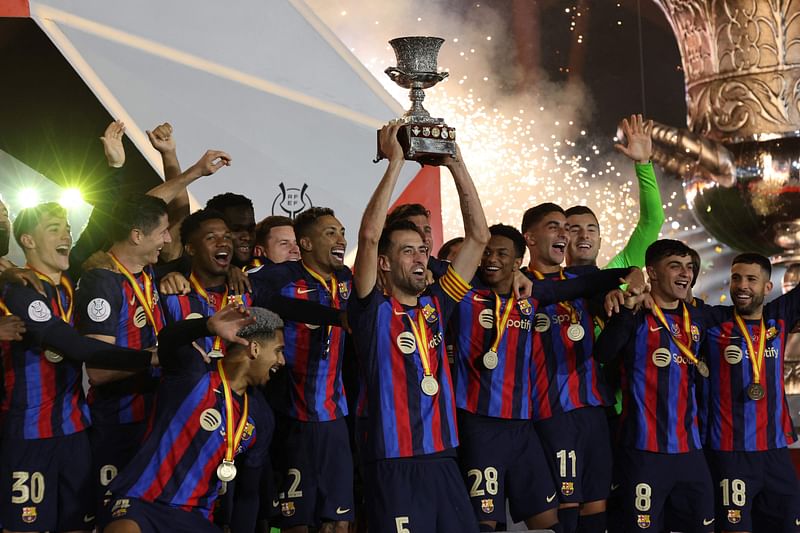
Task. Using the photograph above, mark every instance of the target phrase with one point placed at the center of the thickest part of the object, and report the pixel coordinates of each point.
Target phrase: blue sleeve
(98, 300)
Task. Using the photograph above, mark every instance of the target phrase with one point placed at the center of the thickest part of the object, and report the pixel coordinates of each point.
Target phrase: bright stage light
(28, 197)
(71, 198)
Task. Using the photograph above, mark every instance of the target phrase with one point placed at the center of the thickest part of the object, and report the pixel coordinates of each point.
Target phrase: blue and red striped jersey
(313, 353)
(659, 406)
(106, 305)
(402, 420)
(565, 376)
(731, 420)
(43, 399)
(179, 306)
(505, 391)
(177, 463)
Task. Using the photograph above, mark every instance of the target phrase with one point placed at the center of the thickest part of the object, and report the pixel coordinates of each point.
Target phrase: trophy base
(426, 143)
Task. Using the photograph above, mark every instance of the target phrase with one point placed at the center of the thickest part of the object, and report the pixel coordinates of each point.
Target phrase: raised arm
(211, 161)
(651, 211)
(476, 231)
(374, 217)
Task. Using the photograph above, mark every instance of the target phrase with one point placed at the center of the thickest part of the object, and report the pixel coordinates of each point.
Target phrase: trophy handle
(394, 73)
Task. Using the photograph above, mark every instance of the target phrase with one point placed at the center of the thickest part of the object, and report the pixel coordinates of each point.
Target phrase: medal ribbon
(756, 358)
(687, 324)
(66, 316)
(333, 291)
(146, 299)
(501, 319)
(5, 310)
(421, 336)
(573, 314)
(232, 440)
(203, 294)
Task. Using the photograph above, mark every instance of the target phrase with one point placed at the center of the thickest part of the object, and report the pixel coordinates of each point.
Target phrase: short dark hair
(385, 242)
(447, 247)
(504, 230)
(536, 213)
(406, 211)
(579, 210)
(664, 248)
(29, 218)
(752, 258)
(136, 211)
(264, 326)
(305, 220)
(192, 223)
(696, 264)
(265, 226)
(228, 200)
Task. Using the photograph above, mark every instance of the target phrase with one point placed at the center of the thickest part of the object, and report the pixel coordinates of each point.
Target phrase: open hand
(112, 144)
(637, 134)
(227, 322)
(212, 161)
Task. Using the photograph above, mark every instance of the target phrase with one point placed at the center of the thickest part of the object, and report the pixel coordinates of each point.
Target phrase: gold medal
(429, 385)
(755, 391)
(575, 332)
(490, 360)
(702, 368)
(226, 471)
(192, 316)
(53, 357)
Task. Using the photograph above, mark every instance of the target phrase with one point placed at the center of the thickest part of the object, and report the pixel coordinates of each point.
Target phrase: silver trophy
(424, 139)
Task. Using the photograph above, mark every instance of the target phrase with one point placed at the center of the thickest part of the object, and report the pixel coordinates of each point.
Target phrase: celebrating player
(275, 242)
(661, 456)
(406, 409)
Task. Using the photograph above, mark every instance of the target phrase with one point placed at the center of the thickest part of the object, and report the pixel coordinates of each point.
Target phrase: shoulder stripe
(454, 285)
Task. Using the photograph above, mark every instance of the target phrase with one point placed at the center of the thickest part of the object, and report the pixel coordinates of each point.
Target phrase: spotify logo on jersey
(406, 343)
(486, 319)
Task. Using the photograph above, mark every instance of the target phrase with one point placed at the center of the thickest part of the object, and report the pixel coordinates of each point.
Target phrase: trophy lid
(417, 54)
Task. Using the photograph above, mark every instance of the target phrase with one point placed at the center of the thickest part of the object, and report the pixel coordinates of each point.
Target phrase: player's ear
(135, 235)
(305, 244)
(651, 272)
(517, 264)
(768, 287)
(27, 241)
(253, 349)
(383, 264)
(189, 249)
(259, 250)
(529, 238)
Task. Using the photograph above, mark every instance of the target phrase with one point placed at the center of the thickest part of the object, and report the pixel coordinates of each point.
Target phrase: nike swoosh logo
(797, 522)
(133, 301)
(88, 518)
(656, 329)
(479, 299)
(707, 522)
(551, 498)
(305, 291)
(275, 503)
(339, 510)
(614, 486)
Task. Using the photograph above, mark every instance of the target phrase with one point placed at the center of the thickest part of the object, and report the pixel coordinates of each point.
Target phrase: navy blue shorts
(748, 482)
(47, 484)
(417, 494)
(317, 466)
(503, 459)
(649, 481)
(578, 450)
(155, 517)
(113, 447)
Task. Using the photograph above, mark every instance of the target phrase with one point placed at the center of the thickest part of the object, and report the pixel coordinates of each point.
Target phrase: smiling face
(405, 262)
(547, 240)
(584, 239)
(149, 245)
(211, 248)
(280, 245)
(499, 263)
(48, 244)
(749, 286)
(670, 277)
(325, 246)
(268, 358)
(242, 225)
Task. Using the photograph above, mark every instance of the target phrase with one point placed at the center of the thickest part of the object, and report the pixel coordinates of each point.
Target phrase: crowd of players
(241, 376)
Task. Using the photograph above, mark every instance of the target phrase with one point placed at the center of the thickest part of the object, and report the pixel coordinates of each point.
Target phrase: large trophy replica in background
(424, 139)
(740, 158)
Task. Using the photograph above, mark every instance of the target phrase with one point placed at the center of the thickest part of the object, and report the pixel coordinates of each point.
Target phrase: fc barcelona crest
(734, 516)
(29, 515)
(287, 508)
(695, 333)
(344, 290)
(567, 488)
(524, 307)
(643, 520)
(772, 332)
(487, 506)
(235, 299)
(429, 312)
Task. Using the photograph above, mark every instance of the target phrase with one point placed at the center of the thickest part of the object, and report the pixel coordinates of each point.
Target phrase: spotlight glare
(71, 198)
(28, 197)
